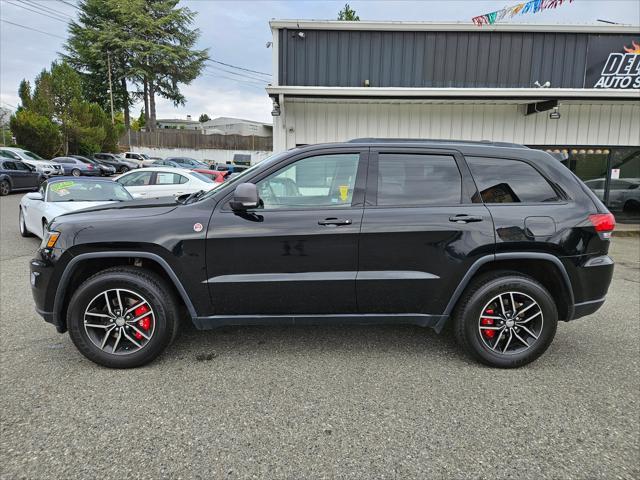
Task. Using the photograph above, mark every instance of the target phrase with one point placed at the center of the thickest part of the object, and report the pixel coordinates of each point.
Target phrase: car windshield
(241, 176)
(31, 155)
(86, 191)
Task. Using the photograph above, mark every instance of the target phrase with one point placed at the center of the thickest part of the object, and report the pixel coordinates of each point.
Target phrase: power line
(239, 68)
(36, 11)
(33, 29)
(62, 15)
(255, 85)
(242, 75)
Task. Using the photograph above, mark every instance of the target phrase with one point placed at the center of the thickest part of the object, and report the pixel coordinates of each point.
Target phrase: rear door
(28, 178)
(299, 253)
(421, 231)
(168, 184)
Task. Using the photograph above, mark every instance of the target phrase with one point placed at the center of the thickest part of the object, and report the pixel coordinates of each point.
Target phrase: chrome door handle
(334, 221)
(465, 218)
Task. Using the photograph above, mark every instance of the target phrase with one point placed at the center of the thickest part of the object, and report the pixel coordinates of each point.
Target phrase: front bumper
(42, 273)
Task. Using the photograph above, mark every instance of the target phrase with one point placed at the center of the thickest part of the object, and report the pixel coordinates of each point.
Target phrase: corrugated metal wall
(315, 121)
(432, 59)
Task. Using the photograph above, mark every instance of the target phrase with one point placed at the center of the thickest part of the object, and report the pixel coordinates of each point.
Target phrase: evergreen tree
(204, 118)
(348, 14)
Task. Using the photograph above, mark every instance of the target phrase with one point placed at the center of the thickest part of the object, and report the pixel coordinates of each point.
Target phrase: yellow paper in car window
(344, 192)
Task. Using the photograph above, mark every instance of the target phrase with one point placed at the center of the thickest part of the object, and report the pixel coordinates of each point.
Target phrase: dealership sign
(613, 63)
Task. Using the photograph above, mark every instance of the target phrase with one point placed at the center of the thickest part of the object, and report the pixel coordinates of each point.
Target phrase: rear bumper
(590, 279)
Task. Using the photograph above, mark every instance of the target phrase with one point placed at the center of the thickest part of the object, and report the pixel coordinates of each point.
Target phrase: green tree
(204, 118)
(36, 132)
(139, 123)
(101, 37)
(150, 43)
(348, 14)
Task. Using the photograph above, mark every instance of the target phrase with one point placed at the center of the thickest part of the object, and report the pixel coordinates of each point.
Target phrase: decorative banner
(532, 6)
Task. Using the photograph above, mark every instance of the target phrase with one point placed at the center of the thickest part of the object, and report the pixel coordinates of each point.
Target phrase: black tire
(5, 188)
(146, 283)
(470, 307)
(75, 172)
(22, 225)
(124, 169)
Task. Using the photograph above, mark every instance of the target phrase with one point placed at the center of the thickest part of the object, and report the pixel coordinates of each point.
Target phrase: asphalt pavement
(318, 402)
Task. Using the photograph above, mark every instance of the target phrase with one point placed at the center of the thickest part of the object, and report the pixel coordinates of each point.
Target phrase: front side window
(9, 166)
(137, 179)
(22, 166)
(319, 181)
(416, 179)
(510, 181)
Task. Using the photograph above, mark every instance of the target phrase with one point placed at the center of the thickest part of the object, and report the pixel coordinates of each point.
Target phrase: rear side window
(165, 178)
(415, 179)
(509, 181)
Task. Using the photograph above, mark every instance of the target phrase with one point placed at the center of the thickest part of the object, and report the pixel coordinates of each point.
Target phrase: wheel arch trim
(75, 261)
(547, 257)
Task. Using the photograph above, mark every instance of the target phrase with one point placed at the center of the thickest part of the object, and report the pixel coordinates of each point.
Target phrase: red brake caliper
(488, 321)
(143, 323)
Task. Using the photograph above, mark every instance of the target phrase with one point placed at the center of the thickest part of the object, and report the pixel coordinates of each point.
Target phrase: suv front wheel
(122, 317)
(505, 319)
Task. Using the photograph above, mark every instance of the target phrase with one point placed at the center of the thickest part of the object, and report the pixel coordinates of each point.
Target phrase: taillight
(604, 223)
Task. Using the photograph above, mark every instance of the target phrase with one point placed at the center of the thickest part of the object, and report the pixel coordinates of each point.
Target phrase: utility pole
(110, 86)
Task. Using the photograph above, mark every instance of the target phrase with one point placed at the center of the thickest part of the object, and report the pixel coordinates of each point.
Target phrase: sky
(236, 33)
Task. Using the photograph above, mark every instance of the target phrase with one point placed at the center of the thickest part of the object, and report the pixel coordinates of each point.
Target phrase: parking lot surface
(318, 402)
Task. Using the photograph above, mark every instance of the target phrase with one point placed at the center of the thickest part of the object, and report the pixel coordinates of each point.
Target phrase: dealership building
(573, 90)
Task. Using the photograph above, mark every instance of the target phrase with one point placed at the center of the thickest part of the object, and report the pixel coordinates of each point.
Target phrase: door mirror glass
(245, 197)
(34, 196)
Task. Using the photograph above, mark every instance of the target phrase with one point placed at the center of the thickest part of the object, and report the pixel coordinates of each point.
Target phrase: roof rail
(434, 141)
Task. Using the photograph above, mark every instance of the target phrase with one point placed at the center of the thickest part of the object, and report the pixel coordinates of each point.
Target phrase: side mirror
(34, 196)
(245, 197)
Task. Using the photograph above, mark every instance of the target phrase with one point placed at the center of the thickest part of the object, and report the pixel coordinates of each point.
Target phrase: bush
(36, 133)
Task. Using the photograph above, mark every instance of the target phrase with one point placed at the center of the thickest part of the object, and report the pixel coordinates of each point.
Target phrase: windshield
(240, 177)
(86, 191)
(31, 155)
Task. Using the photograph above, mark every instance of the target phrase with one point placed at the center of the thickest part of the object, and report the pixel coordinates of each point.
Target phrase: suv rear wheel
(505, 319)
(122, 317)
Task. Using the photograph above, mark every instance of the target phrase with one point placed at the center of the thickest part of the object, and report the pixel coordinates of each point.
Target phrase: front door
(421, 231)
(298, 253)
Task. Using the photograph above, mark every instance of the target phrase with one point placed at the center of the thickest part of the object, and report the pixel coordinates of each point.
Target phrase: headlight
(50, 239)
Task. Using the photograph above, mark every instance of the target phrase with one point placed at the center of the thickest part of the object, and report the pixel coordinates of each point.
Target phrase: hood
(67, 207)
(95, 211)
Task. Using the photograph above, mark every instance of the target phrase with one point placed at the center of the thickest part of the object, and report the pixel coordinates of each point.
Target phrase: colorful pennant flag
(532, 6)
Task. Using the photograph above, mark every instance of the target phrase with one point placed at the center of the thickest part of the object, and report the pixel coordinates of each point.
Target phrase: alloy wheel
(119, 321)
(510, 323)
(4, 188)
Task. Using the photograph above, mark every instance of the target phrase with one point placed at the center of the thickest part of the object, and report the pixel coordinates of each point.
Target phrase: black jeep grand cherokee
(501, 240)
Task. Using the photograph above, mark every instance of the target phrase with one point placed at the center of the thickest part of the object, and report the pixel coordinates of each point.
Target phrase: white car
(61, 195)
(142, 159)
(158, 182)
(41, 165)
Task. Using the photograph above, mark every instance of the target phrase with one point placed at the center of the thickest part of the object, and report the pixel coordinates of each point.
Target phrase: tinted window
(320, 181)
(413, 179)
(10, 154)
(10, 166)
(22, 166)
(509, 181)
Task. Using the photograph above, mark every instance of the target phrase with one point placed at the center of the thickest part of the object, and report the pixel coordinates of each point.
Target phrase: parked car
(77, 167)
(228, 167)
(120, 164)
(501, 240)
(45, 167)
(142, 159)
(157, 182)
(624, 194)
(186, 162)
(104, 168)
(62, 195)
(16, 175)
(217, 177)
